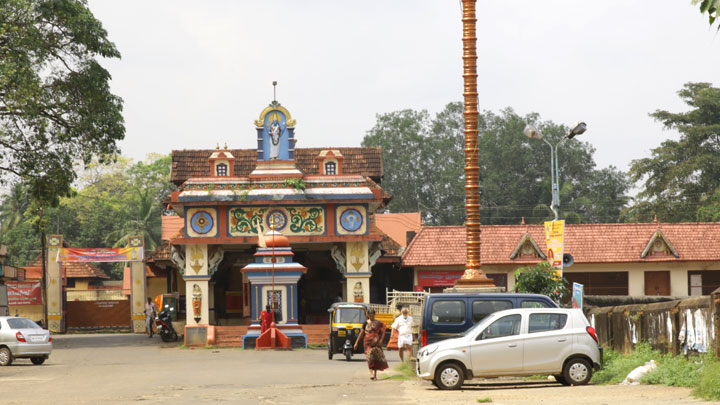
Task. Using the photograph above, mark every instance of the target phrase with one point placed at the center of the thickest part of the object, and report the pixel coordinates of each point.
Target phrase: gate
(98, 315)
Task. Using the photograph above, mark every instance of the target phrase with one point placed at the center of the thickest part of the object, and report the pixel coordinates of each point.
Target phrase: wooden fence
(680, 326)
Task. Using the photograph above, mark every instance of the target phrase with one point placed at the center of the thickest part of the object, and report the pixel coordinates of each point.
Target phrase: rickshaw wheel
(330, 350)
(348, 354)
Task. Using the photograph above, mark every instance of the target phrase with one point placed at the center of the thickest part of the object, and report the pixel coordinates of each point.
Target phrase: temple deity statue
(274, 131)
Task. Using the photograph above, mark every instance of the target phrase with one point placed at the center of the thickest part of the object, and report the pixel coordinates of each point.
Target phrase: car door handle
(512, 345)
(562, 340)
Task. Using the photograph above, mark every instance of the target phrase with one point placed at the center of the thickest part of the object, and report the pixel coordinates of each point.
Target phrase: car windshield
(349, 315)
(22, 323)
(479, 326)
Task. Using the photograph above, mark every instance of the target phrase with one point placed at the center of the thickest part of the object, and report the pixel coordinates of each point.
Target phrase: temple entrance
(319, 287)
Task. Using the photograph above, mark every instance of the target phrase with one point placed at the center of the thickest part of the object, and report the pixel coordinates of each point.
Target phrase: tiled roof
(397, 225)
(161, 252)
(171, 225)
(588, 243)
(75, 269)
(195, 163)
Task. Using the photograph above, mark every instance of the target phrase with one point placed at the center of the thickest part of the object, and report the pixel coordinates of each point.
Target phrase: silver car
(516, 342)
(21, 338)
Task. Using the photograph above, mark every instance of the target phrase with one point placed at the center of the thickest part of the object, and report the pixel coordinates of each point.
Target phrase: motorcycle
(164, 325)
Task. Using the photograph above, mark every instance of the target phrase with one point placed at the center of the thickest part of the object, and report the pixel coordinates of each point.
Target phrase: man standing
(403, 324)
(150, 311)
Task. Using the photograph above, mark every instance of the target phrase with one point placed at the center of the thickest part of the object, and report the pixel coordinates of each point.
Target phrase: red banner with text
(22, 293)
(438, 278)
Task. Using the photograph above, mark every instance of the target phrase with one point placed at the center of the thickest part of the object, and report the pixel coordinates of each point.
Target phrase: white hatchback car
(516, 342)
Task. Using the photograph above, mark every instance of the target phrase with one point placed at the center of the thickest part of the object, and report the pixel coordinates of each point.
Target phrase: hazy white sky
(194, 74)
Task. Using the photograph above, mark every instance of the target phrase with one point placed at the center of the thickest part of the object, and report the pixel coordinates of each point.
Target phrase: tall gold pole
(473, 275)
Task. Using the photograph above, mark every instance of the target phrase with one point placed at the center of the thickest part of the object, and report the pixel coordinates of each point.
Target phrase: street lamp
(531, 132)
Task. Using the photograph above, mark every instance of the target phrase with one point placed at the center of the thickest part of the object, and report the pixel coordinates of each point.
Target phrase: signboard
(554, 231)
(23, 293)
(133, 254)
(577, 295)
(438, 278)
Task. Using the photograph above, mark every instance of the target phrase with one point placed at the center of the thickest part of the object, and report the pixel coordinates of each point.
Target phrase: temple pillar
(197, 285)
(357, 275)
(138, 291)
(53, 286)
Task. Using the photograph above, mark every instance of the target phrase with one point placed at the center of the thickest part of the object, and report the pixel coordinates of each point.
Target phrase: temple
(321, 200)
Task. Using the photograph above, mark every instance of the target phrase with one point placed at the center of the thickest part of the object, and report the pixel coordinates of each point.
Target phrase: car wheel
(37, 360)
(6, 358)
(559, 378)
(449, 376)
(577, 372)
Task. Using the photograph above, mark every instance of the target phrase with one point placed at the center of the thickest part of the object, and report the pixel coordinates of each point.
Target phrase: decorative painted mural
(298, 220)
(201, 222)
(351, 220)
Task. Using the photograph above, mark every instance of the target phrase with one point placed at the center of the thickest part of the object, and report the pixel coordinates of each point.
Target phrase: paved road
(125, 368)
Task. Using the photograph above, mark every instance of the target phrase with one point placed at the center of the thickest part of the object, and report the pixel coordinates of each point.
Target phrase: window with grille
(221, 170)
(330, 168)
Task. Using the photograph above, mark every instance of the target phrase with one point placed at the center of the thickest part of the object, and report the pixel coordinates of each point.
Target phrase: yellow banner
(554, 231)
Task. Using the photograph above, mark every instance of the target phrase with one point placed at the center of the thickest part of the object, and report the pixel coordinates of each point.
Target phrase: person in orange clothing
(266, 318)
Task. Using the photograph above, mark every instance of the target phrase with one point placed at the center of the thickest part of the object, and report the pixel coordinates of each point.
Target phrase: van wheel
(37, 360)
(577, 372)
(5, 356)
(449, 376)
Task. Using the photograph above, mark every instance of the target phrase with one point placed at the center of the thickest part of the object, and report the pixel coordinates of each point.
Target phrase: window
(544, 322)
(70, 282)
(448, 312)
(350, 315)
(21, 323)
(221, 170)
(483, 308)
(505, 326)
(534, 304)
(500, 279)
(330, 168)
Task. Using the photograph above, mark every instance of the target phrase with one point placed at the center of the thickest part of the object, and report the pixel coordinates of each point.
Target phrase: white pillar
(357, 276)
(54, 284)
(197, 285)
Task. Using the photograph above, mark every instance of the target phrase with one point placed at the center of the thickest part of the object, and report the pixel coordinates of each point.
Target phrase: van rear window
(448, 311)
(483, 308)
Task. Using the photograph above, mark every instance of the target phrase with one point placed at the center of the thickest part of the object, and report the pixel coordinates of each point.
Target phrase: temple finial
(274, 93)
(522, 221)
(217, 146)
(225, 146)
(655, 220)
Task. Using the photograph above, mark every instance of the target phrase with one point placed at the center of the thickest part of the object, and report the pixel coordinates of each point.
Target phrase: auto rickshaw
(347, 319)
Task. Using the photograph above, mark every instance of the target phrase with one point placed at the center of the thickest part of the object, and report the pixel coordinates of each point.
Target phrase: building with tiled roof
(674, 259)
(323, 200)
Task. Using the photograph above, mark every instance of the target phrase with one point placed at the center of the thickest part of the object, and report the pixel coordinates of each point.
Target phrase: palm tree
(13, 206)
(140, 222)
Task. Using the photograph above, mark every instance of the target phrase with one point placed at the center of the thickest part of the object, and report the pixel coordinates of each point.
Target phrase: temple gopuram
(321, 199)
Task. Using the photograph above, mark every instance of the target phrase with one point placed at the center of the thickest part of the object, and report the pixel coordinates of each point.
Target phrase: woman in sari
(373, 335)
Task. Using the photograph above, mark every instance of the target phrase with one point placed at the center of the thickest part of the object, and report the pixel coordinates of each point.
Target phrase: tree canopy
(424, 169)
(709, 7)
(681, 179)
(56, 107)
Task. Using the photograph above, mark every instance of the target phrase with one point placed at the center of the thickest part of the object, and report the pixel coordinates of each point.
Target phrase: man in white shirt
(403, 324)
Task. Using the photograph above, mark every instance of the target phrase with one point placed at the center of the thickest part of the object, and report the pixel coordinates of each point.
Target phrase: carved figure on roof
(275, 132)
(276, 137)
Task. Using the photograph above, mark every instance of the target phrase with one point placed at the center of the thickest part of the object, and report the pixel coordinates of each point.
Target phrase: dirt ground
(118, 369)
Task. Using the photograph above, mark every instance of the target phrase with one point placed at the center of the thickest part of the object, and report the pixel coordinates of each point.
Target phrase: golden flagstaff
(473, 275)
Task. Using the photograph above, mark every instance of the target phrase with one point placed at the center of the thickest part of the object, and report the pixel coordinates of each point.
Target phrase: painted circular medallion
(276, 220)
(351, 220)
(201, 222)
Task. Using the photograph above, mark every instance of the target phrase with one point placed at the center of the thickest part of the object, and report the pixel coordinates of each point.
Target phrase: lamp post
(533, 133)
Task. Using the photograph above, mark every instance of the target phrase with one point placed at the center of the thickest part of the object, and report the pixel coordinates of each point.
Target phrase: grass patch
(700, 372)
(406, 371)
(537, 377)
(317, 345)
(484, 400)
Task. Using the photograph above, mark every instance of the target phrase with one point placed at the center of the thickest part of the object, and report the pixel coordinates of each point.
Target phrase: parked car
(516, 342)
(447, 315)
(21, 338)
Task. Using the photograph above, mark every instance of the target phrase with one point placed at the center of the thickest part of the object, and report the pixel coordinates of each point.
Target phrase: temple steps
(232, 336)
(316, 334)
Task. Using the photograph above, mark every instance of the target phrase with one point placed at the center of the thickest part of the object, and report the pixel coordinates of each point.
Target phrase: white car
(21, 338)
(516, 342)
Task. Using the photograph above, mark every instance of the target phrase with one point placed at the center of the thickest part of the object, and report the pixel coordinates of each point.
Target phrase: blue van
(447, 315)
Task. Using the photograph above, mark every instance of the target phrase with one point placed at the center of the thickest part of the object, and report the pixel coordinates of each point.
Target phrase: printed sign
(554, 239)
(438, 278)
(134, 254)
(577, 295)
(20, 293)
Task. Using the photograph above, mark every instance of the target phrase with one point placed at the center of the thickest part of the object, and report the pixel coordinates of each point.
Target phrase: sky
(197, 74)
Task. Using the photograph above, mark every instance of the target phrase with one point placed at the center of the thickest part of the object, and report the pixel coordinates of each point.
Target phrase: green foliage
(484, 400)
(424, 169)
(708, 386)
(55, 102)
(681, 180)
(617, 366)
(297, 184)
(709, 7)
(539, 279)
(675, 371)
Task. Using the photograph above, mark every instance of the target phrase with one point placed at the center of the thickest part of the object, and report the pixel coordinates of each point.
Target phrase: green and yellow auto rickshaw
(347, 319)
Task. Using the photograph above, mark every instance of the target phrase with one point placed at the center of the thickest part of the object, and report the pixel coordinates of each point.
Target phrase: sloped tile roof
(397, 225)
(161, 253)
(194, 163)
(74, 269)
(170, 226)
(588, 243)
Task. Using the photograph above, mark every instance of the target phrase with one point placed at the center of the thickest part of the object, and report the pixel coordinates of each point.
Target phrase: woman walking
(373, 335)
